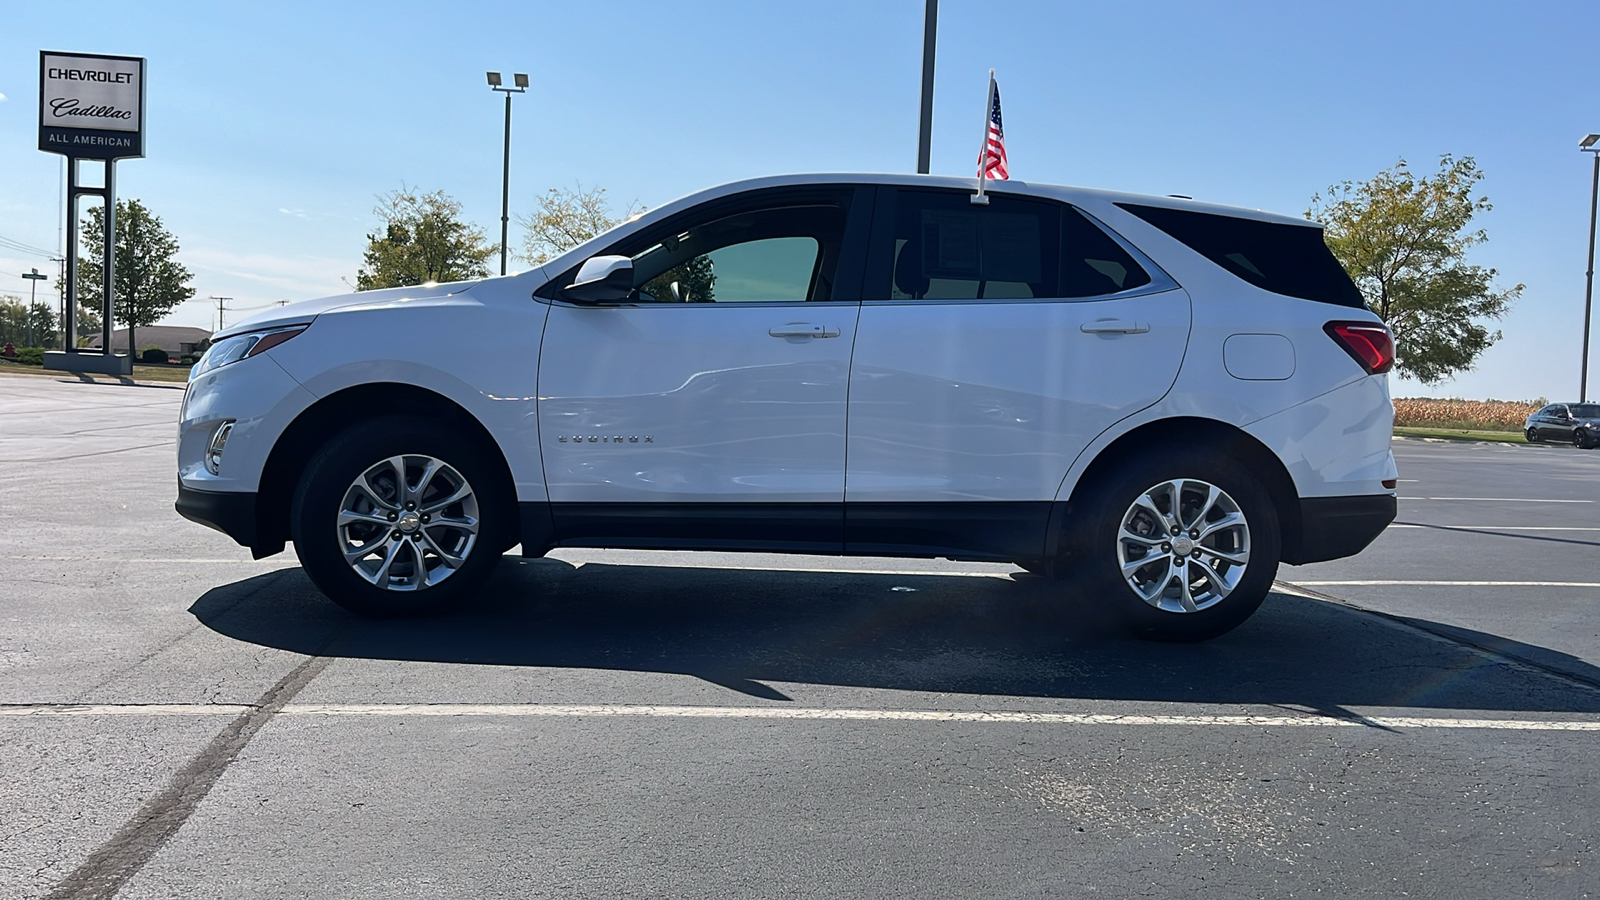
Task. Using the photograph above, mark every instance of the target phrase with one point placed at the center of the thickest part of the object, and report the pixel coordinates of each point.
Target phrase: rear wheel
(1532, 435)
(1179, 547)
(400, 517)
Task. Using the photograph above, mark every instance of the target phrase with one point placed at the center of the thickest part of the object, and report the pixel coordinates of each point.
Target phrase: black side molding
(1336, 527)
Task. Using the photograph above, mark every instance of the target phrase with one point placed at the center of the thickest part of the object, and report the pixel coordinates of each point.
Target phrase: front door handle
(1114, 326)
(803, 330)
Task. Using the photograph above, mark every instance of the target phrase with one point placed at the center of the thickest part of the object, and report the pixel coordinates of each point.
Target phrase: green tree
(147, 281)
(422, 239)
(25, 327)
(567, 218)
(1404, 240)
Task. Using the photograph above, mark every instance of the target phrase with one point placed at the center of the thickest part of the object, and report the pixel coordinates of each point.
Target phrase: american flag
(992, 164)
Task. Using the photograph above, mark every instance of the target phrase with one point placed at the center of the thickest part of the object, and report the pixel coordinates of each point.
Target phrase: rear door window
(938, 245)
(1292, 260)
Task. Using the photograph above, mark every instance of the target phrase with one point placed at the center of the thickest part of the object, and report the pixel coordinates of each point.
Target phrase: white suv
(1152, 399)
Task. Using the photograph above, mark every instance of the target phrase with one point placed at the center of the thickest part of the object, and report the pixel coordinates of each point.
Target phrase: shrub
(33, 356)
(153, 355)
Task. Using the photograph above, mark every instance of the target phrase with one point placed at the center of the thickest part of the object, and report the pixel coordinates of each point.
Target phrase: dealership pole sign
(90, 106)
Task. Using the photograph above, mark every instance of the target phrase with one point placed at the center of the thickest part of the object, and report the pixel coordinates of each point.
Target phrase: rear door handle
(1114, 326)
(803, 330)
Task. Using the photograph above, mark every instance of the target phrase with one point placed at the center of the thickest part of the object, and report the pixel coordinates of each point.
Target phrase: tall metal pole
(505, 190)
(1588, 290)
(69, 304)
(109, 267)
(930, 25)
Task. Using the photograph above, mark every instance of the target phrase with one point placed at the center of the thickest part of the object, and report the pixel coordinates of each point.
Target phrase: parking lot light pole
(521, 81)
(1588, 145)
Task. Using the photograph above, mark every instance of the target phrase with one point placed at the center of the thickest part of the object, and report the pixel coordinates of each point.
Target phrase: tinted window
(1286, 259)
(940, 246)
(770, 247)
(1587, 410)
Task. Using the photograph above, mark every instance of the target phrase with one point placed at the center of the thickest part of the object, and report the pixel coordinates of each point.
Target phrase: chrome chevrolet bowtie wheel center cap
(1182, 545)
(409, 522)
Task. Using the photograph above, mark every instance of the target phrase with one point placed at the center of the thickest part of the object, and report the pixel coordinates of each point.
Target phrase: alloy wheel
(1183, 545)
(407, 523)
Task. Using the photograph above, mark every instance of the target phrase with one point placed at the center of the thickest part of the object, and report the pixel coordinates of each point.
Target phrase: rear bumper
(231, 512)
(1335, 527)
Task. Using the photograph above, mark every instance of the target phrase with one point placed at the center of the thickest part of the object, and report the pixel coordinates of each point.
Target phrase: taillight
(1367, 343)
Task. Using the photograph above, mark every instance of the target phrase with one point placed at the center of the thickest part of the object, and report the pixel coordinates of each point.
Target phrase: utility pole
(930, 25)
(220, 309)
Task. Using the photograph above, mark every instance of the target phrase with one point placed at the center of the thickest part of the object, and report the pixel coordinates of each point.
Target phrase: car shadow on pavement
(745, 628)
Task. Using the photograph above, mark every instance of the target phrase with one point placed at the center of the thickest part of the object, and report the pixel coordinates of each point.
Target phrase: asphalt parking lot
(177, 720)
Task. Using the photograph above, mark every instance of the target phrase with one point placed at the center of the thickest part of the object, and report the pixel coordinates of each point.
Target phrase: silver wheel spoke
(353, 555)
(464, 490)
(1134, 565)
(1237, 559)
(381, 577)
(351, 517)
(1227, 521)
(365, 487)
(1186, 596)
(428, 471)
(1151, 541)
(1218, 583)
(454, 562)
(1148, 505)
(466, 523)
(1212, 493)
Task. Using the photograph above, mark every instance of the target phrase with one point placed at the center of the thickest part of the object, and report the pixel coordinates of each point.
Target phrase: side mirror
(601, 279)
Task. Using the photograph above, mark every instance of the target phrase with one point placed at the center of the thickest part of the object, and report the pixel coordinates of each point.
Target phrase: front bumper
(1336, 527)
(231, 512)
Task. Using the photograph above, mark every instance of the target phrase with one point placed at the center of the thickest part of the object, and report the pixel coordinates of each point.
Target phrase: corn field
(1482, 415)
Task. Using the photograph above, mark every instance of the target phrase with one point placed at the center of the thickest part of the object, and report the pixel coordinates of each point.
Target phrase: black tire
(1580, 440)
(418, 581)
(1095, 547)
(1532, 435)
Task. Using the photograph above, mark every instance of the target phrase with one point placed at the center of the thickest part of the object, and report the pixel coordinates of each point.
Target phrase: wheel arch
(312, 428)
(1189, 430)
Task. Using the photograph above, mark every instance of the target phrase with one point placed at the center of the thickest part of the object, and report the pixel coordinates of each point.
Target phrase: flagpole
(981, 198)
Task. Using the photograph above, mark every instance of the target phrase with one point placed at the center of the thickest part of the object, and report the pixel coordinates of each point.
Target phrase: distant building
(177, 341)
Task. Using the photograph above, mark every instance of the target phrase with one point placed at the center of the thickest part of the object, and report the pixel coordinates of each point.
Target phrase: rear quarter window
(1285, 259)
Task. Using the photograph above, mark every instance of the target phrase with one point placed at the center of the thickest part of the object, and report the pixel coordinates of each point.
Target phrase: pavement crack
(106, 870)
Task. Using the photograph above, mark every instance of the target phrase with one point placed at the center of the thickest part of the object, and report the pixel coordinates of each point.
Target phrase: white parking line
(598, 711)
(1500, 499)
(1502, 527)
(1406, 583)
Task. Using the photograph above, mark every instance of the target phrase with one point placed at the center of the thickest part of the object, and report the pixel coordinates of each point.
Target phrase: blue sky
(273, 126)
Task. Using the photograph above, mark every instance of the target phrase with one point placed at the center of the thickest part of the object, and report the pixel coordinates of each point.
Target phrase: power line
(12, 244)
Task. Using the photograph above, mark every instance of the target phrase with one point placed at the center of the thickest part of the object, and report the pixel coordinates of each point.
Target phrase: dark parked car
(1574, 423)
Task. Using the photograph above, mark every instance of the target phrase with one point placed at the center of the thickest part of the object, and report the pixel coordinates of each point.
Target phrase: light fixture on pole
(33, 299)
(1588, 145)
(521, 81)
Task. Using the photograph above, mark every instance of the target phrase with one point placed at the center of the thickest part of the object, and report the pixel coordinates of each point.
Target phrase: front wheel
(1580, 439)
(1180, 547)
(397, 516)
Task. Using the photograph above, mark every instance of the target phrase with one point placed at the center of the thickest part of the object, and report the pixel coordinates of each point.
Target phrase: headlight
(242, 346)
